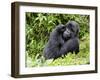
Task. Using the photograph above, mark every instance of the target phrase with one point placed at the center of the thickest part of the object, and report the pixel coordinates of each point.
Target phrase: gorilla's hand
(60, 28)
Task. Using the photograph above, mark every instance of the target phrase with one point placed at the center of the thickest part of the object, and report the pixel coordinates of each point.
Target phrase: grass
(70, 59)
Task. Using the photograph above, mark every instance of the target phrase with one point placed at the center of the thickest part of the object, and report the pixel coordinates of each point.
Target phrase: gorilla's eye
(72, 30)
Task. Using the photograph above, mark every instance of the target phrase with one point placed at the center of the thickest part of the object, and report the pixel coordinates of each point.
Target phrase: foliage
(38, 28)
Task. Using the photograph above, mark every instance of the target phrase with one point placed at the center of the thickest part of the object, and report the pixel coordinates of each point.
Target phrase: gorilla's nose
(67, 32)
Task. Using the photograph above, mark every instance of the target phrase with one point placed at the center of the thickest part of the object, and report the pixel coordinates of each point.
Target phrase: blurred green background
(38, 28)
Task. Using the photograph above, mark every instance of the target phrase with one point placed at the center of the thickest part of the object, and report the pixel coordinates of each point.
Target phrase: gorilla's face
(66, 34)
(71, 30)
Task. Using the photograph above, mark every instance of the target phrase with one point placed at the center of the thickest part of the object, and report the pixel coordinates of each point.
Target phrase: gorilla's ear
(78, 30)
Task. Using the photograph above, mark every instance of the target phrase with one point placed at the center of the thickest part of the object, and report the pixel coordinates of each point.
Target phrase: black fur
(63, 39)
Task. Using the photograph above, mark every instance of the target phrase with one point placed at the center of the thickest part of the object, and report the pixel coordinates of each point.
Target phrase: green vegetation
(38, 28)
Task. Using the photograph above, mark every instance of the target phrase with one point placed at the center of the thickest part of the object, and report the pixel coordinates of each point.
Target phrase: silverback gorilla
(63, 39)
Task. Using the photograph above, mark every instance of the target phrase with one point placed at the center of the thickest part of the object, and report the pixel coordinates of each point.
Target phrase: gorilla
(63, 39)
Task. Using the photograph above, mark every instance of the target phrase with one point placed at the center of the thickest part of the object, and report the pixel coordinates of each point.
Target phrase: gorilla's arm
(53, 46)
(71, 45)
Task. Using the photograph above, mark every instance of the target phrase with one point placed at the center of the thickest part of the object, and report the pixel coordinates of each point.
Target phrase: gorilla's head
(71, 30)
